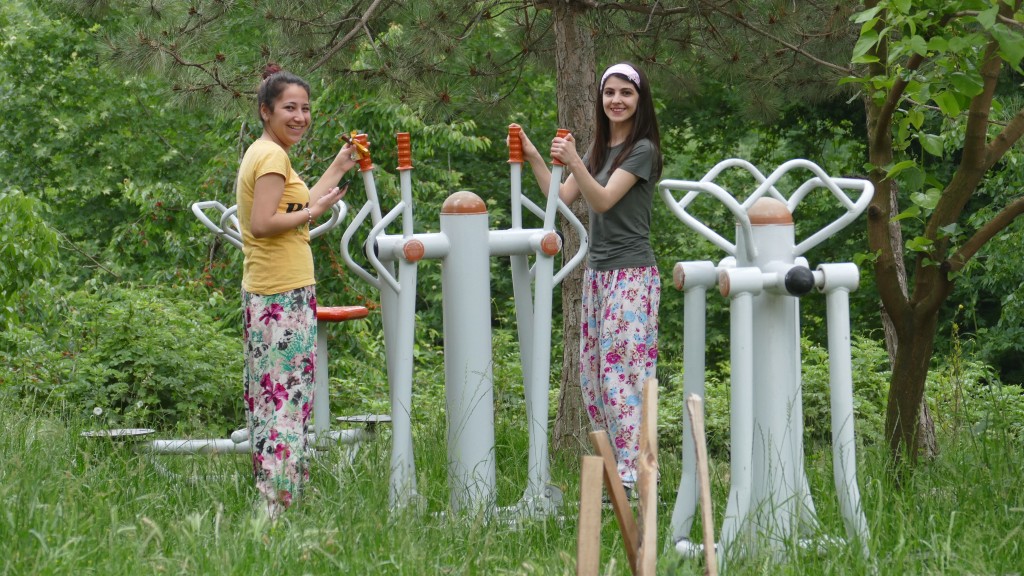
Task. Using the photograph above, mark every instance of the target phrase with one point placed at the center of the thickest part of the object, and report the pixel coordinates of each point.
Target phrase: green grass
(72, 505)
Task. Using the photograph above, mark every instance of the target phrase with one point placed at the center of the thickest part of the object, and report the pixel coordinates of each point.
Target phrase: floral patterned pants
(618, 353)
(280, 356)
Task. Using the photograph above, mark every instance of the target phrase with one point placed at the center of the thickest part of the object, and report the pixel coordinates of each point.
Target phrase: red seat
(341, 313)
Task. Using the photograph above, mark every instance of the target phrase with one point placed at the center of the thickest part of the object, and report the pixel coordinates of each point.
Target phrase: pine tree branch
(359, 27)
(739, 19)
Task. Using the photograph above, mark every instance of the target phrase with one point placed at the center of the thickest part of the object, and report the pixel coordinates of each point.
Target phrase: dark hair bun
(270, 69)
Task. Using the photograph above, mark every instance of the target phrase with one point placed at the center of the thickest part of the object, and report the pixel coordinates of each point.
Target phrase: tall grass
(73, 505)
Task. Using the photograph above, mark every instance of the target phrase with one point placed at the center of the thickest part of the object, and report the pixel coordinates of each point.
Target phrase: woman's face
(619, 98)
(290, 118)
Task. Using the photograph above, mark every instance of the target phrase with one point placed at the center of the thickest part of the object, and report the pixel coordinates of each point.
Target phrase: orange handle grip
(404, 151)
(363, 145)
(515, 144)
(359, 147)
(340, 313)
(560, 133)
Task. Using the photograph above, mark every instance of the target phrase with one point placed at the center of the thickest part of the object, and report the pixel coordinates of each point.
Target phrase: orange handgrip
(404, 151)
(365, 160)
(560, 133)
(360, 149)
(515, 144)
(341, 313)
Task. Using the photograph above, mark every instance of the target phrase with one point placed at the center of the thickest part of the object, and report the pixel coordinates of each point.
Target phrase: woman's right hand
(347, 157)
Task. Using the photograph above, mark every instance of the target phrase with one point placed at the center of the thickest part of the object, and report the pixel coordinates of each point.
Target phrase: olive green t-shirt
(621, 237)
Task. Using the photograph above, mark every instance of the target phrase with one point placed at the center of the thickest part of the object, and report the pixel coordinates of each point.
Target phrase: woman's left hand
(323, 204)
(564, 149)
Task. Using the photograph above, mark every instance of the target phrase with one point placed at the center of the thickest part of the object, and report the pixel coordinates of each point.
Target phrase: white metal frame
(464, 246)
(764, 276)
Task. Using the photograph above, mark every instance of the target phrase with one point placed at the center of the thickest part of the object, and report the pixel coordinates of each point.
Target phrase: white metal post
(776, 392)
(741, 286)
(469, 385)
(837, 282)
(694, 279)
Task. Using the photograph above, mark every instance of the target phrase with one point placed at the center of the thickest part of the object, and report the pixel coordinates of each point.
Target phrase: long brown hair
(645, 125)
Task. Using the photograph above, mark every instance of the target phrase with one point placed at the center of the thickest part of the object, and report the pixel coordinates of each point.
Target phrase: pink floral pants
(280, 356)
(618, 353)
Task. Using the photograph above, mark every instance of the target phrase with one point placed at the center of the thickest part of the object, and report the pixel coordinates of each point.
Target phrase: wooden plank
(588, 539)
(695, 406)
(617, 493)
(647, 481)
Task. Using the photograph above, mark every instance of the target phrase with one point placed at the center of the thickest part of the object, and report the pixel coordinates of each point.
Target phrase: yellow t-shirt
(278, 263)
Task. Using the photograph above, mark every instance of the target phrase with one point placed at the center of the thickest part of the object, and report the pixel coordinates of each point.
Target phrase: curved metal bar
(229, 227)
(229, 223)
(338, 212)
(581, 230)
(361, 216)
(853, 209)
(231, 236)
(678, 207)
(377, 230)
(580, 254)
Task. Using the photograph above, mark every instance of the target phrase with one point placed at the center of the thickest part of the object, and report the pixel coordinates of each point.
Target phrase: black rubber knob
(799, 280)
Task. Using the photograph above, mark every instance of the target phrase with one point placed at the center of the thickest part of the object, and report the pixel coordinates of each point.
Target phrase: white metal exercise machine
(763, 276)
(464, 246)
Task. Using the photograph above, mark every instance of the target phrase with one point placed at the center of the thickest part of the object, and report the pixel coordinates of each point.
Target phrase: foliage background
(117, 308)
(115, 297)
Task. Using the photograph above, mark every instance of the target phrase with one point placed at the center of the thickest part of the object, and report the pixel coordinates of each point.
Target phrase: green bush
(870, 391)
(28, 248)
(130, 356)
(968, 395)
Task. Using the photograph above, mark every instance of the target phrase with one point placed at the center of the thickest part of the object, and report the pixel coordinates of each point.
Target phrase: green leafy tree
(934, 79)
(105, 153)
(931, 93)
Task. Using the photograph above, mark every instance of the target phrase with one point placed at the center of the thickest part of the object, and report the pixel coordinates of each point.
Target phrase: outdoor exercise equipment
(322, 436)
(764, 276)
(464, 246)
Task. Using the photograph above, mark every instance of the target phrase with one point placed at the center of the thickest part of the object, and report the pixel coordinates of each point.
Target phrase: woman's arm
(340, 166)
(600, 198)
(567, 191)
(266, 221)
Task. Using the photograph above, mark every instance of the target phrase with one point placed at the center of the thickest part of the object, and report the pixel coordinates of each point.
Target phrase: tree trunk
(571, 426)
(927, 444)
(906, 425)
(906, 391)
(575, 61)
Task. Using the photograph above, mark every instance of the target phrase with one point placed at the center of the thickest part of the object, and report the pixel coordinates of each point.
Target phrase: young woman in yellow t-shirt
(275, 212)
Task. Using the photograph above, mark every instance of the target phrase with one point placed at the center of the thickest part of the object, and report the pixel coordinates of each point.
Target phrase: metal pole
(469, 386)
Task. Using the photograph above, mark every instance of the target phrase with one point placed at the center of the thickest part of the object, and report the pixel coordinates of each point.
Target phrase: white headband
(624, 69)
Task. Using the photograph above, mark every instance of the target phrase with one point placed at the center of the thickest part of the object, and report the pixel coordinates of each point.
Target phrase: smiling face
(289, 118)
(619, 98)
